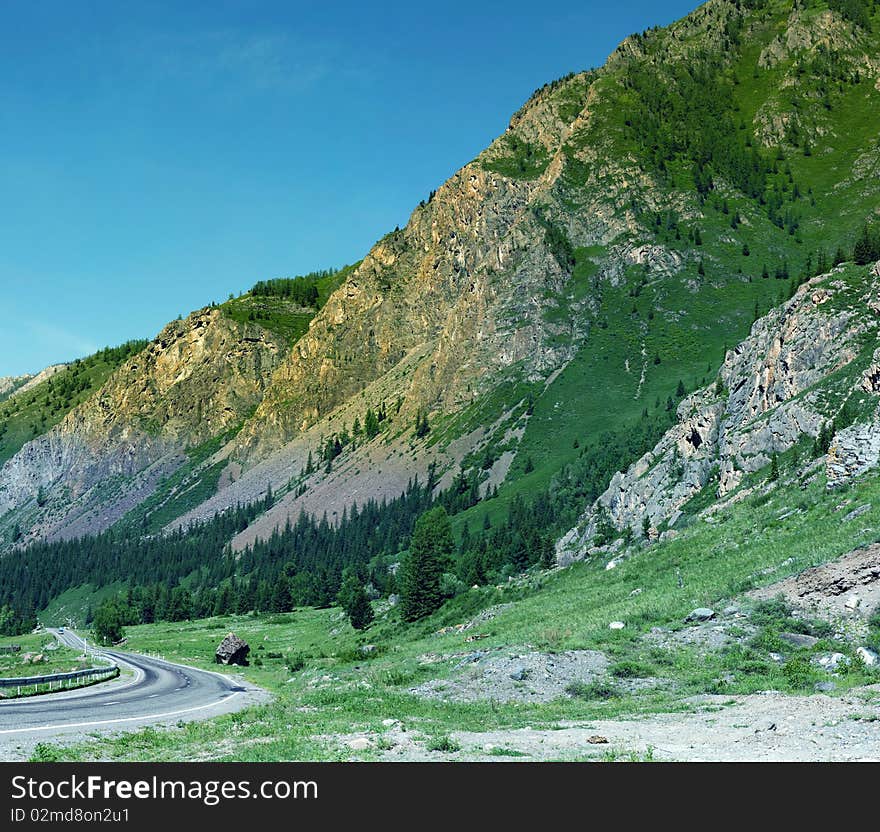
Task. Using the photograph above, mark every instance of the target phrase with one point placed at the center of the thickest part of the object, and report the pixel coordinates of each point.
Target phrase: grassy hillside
(29, 414)
(56, 658)
(286, 306)
(313, 662)
(739, 214)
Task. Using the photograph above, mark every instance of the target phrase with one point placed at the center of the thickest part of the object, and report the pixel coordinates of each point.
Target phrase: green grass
(58, 659)
(283, 317)
(74, 604)
(324, 685)
(518, 159)
(189, 486)
(280, 315)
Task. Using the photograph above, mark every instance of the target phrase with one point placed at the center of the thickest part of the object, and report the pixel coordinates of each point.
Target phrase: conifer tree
(422, 568)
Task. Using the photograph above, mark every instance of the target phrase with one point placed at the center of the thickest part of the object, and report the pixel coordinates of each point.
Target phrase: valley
(582, 462)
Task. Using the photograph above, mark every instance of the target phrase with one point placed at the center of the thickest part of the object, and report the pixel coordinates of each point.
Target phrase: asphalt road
(157, 692)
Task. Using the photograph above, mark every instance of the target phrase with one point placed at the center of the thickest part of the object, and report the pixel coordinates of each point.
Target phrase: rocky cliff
(806, 374)
(198, 378)
(623, 216)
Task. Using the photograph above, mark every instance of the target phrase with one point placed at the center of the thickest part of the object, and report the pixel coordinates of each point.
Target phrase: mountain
(800, 392)
(559, 295)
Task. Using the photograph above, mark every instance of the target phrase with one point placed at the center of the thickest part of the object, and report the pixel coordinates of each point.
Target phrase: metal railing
(56, 681)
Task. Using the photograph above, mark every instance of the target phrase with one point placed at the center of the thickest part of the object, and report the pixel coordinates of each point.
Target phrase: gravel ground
(759, 727)
(517, 677)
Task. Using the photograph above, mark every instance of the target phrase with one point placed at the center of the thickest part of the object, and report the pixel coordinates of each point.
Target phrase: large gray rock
(798, 639)
(232, 650)
(701, 614)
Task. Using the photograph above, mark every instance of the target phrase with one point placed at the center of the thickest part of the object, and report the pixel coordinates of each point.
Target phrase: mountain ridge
(501, 309)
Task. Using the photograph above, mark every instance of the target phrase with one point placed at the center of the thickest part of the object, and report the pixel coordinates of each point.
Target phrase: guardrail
(59, 680)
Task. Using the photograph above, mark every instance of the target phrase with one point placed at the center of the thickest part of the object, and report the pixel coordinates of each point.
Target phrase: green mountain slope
(538, 321)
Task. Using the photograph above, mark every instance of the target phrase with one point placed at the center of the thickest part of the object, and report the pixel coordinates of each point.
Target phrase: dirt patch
(710, 636)
(844, 588)
(758, 727)
(525, 677)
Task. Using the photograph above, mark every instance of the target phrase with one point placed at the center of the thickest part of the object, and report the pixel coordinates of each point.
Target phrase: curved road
(159, 692)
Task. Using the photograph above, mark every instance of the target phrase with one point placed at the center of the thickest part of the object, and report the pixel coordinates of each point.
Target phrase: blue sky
(156, 156)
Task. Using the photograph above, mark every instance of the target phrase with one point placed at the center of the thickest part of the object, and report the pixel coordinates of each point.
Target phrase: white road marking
(113, 721)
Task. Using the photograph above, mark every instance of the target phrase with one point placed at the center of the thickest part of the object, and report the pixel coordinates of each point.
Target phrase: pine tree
(353, 599)
(421, 569)
(867, 247)
(548, 552)
(371, 424)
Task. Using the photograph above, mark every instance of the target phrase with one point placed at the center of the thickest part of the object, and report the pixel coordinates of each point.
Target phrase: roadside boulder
(232, 650)
(701, 614)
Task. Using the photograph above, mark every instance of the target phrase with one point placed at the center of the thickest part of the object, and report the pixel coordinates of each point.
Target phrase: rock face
(773, 390)
(496, 283)
(199, 377)
(232, 650)
(10, 384)
(853, 451)
(454, 298)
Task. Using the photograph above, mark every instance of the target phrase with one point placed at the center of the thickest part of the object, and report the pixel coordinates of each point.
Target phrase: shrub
(443, 742)
(296, 662)
(592, 690)
(629, 670)
(798, 673)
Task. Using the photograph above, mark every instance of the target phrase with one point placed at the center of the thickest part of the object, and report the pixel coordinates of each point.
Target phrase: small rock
(824, 687)
(393, 599)
(597, 739)
(470, 658)
(637, 591)
(610, 565)
(616, 625)
(701, 614)
(868, 656)
(366, 649)
(360, 744)
(857, 512)
(390, 723)
(852, 603)
(831, 661)
(776, 657)
(519, 674)
(798, 639)
(732, 609)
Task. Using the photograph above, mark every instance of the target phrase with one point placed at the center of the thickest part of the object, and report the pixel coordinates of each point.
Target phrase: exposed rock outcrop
(771, 391)
(199, 377)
